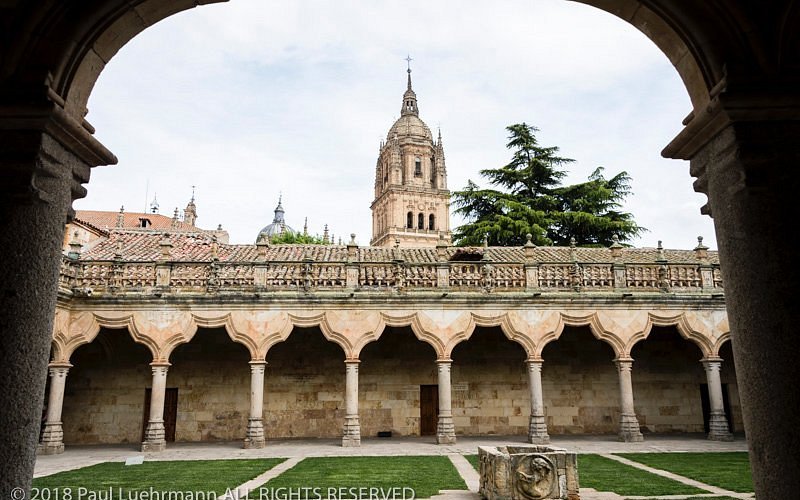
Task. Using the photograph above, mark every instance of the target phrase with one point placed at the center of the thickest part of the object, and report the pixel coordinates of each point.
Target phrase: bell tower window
(409, 220)
(431, 222)
(420, 221)
(417, 167)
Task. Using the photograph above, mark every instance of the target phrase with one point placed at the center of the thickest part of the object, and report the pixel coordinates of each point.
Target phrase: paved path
(242, 490)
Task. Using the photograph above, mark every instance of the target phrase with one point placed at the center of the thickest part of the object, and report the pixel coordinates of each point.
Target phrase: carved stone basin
(527, 472)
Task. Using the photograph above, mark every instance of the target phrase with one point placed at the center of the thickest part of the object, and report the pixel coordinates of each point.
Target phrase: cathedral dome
(277, 227)
(409, 126)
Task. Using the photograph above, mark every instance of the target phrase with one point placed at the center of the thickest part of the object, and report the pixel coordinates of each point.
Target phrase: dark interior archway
(392, 373)
(105, 390)
(580, 384)
(304, 387)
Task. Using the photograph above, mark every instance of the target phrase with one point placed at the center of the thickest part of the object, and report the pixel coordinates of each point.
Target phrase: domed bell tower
(412, 202)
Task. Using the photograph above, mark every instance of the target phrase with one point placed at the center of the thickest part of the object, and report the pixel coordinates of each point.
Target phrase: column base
(351, 432)
(629, 429)
(537, 431)
(255, 434)
(50, 448)
(52, 442)
(154, 437)
(718, 428)
(254, 444)
(154, 446)
(445, 431)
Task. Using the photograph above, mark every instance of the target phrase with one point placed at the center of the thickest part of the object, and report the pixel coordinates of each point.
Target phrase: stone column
(718, 429)
(445, 430)
(628, 424)
(744, 155)
(255, 424)
(537, 431)
(53, 436)
(351, 434)
(154, 439)
(45, 156)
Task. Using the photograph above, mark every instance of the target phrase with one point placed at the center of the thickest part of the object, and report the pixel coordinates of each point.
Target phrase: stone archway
(491, 393)
(738, 60)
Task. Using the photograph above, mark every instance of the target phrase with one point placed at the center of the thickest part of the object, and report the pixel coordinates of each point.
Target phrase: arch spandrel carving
(531, 329)
(443, 329)
(349, 329)
(688, 326)
(592, 319)
(256, 330)
(164, 330)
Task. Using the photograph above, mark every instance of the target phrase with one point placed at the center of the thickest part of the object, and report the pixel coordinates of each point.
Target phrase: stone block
(527, 472)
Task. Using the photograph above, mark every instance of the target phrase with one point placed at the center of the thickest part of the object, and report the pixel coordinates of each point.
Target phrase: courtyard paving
(75, 457)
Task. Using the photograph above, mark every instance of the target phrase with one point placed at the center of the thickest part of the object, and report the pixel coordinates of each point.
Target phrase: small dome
(277, 227)
(409, 126)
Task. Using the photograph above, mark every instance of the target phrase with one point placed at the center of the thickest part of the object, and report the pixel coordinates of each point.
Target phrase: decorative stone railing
(112, 277)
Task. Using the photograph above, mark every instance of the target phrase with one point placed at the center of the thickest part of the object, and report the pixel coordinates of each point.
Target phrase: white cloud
(248, 99)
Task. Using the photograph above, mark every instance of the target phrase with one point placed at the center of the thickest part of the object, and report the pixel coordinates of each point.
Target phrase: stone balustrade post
(718, 429)
(628, 423)
(53, 436)
(255, 424)
(537, 431)
(351, 434)
(154, 436)
(445, 430)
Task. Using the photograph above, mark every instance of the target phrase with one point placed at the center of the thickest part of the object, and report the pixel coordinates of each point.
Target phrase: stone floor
(81, 456)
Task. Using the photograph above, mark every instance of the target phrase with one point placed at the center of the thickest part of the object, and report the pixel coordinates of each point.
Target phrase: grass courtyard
(392, 476)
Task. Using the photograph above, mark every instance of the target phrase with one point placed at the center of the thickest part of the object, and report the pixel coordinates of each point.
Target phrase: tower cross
(408, 60)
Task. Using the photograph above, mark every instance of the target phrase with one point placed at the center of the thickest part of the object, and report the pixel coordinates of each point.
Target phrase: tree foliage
(289, 237)
(531, 199)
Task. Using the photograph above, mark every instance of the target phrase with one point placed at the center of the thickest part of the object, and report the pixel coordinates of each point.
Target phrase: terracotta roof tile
(108, 220)
(144, 246)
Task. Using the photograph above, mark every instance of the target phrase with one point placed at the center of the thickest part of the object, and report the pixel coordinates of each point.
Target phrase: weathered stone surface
(527, 473)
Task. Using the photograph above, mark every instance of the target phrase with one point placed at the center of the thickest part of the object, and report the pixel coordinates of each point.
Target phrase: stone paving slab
(466, 471)
(242, 490)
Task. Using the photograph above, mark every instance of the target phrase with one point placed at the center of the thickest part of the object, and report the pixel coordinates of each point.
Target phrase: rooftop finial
(154, 204)
(409, 98)
(305, 227)
(193, 186)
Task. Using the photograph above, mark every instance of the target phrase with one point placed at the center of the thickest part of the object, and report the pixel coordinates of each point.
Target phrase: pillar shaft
(154, 437)
(255, 424)
(537, 431)
(53, 436)
(718, 429)
(748, 169)
(628, 423)
(445, 430)
(351, 433)
(44, 156)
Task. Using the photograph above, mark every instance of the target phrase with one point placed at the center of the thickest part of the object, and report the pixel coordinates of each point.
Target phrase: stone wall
(490, 385)
(104, 392)
(667, 375)
(580, 384)
(212, 375)
(304, 387)
(390, 374)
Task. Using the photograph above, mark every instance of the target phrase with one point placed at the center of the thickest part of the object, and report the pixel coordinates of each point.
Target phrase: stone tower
(412, 203)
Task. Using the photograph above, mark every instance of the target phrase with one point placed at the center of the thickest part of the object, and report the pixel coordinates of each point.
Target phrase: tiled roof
(108, 220)
(144, 246)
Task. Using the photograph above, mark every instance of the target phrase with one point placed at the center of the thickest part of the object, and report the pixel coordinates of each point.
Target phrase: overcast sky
(249, 99)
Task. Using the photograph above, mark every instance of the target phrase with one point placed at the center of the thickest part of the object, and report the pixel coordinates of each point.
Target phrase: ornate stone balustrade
(99, 277)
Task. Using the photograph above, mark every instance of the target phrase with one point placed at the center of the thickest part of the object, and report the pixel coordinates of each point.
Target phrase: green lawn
(473, 459)
(604, 474)
(425, 475)
(185, 476)
(729, 470)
